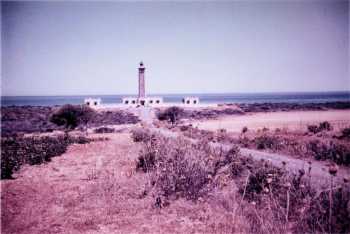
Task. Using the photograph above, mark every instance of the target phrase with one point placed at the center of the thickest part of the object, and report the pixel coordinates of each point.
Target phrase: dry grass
(185, 188)
(95, 188)
(327, 144)
(272, 199)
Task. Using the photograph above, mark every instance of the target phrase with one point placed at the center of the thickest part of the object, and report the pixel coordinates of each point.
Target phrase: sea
(300, 97)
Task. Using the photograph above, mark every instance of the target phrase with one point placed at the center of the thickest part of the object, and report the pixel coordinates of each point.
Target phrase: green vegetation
(272, 200)
(71, 116)
(19, 150)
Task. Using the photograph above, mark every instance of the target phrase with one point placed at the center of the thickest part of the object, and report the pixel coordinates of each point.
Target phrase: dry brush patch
(30, 119)
(325, 145)
(272, 199)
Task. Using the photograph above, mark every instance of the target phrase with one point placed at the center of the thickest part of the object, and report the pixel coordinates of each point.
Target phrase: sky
(80, 48)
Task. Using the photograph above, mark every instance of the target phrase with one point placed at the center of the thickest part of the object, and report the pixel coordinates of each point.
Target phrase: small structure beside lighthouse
(142, 99)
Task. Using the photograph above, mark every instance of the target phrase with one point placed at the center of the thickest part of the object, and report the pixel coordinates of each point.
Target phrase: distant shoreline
(209, 98)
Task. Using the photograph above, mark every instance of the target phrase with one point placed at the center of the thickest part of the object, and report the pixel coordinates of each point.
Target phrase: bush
(182, 176)
(258, 181)
(180, 168)
(141, 135)
(313, 128)
(115, 117)
(329, 150)
(26, 119)
(267, 141)
(104, 130)
(244, 130)
(184, 128)
(16, 151)
(345, 133)
(171, 114)
(323, 126)
(317, 214)
(274, 193)
(71, 116)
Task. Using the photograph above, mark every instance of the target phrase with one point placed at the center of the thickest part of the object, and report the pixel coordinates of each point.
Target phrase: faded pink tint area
(94, 188)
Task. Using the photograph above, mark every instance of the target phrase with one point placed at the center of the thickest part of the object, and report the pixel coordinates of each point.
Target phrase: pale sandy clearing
(296, 120)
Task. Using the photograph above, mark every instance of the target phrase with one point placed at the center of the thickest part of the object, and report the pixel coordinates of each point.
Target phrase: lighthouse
(141, 99)
(142, 69)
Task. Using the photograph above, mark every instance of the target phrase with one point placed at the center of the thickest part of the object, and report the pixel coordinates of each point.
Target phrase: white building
(145, 101)
(92, 102)
(190, 100)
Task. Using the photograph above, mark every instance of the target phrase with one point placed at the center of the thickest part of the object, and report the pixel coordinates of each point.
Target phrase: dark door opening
(142, 102)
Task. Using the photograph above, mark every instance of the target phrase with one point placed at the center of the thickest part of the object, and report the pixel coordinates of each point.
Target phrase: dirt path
(94, 188)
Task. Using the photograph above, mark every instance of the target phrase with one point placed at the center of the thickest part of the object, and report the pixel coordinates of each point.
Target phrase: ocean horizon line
(188, 93)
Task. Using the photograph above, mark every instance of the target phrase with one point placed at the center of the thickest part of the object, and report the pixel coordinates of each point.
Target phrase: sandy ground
(94, 188)
(297, 120)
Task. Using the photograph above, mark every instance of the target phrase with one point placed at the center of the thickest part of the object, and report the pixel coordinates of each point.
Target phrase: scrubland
(135, 180)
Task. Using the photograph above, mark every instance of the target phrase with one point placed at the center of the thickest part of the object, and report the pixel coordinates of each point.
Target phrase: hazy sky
(67, 48)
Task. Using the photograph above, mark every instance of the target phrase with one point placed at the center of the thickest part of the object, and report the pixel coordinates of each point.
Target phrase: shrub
(258, 181)
(244, 130)
(141, 135)
(329, 150)
(10, 162)
(237, 162)
(104, 130)
(180, 168)
(345, 133)
(71, 116)
(115, 117)
(325, 126)
(316, 218)
(25, 119)
(182, 176)
(171, 114)
(275, 193)
(313, 128)
(267, 141)
(16, 151)
(184, 128)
